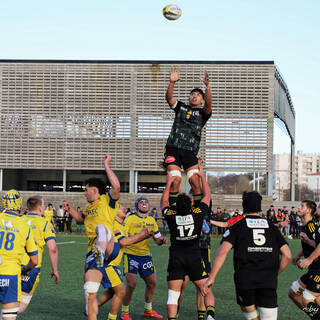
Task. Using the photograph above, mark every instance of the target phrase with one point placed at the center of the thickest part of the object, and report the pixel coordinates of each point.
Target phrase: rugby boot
(125, 316)
(98, 255)
(152, 314)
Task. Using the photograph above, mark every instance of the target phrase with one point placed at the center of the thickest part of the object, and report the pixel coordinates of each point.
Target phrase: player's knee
(250, 315)
(191, 173)
(173, 297)
(268, 313)
(25, 300)
(9, 313)
(295, 288)
(175, 173)
(308, 297)
(90, 289)
(131, 284)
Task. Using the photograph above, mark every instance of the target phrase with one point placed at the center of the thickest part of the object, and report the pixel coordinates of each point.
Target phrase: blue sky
(285, 31)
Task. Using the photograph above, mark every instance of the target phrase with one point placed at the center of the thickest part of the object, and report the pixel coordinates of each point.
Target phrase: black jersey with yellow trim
(310, 229)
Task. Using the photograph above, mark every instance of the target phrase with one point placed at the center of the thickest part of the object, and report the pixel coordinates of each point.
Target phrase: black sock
(197, 199)
(210, 311)
(173, 198)
(201, 314)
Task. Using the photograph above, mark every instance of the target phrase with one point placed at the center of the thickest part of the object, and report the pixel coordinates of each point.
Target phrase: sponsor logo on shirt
(4, 282)
(184, 220)
(257, 223)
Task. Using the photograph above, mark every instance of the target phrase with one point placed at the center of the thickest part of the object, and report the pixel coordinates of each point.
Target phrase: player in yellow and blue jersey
(98, 218)
(16, 238)
(137, 258)
(117, 289)
(44, 234)
(48, 214)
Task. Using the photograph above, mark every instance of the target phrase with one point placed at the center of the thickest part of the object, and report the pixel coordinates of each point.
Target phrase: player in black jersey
(185, 225)
(305, 292)
(184, 140)
(257, 245)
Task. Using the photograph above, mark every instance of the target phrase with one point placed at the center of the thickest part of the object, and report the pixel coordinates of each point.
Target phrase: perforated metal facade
(69, 114)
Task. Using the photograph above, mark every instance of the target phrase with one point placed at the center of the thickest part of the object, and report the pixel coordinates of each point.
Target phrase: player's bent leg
(131, 279)
(9, 311)
(194, 179)
(151, 282)
(175, 171)
(250, 312)
(105, 297)
(104, 244)
(268, 313)
(25, 300)
(119, 293)
(175, 288)
(92, 280)
(208, 299)
(295, 293)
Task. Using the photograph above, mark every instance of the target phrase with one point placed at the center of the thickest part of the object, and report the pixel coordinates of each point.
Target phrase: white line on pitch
(66, 242)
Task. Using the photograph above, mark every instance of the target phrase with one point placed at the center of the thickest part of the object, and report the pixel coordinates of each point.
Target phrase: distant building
(314, 182)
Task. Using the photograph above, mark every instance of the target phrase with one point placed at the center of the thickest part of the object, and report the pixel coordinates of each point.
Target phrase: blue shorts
(10, 289)
(30, 282)
(141, 264)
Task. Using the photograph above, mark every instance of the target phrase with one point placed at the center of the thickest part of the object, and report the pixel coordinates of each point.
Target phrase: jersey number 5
(188, 228)
(258, 237)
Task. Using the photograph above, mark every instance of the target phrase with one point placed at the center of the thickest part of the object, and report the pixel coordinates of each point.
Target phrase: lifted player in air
(98, 219)
(183, 142)
(305, 292)
(257, 245)
(185, 224)
(44, 234)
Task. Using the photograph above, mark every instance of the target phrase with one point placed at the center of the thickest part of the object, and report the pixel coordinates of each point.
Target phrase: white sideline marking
(66, 242)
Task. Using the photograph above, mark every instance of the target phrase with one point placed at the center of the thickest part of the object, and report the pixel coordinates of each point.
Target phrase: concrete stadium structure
(59, 119)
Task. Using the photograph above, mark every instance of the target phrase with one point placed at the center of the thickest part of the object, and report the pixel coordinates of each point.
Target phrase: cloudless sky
(285, 31)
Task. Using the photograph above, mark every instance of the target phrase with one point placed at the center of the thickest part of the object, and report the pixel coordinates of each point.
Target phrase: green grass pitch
(66, 300)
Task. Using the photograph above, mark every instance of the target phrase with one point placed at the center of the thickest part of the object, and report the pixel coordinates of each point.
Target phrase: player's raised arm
(208, 95)
(174, 77)
(74, 213)
(115, 184)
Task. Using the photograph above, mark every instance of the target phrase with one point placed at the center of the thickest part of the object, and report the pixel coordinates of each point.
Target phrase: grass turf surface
(66, 300)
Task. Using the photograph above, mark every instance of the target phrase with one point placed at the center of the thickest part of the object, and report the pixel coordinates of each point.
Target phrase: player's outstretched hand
(206, 286)
(174, 75)
(205, 79)
(66, 206)
(56, 275)
(107, 160)
(164, 240)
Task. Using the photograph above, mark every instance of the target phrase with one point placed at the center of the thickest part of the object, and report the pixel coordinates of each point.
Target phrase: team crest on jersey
(184, 220)
(257, 223)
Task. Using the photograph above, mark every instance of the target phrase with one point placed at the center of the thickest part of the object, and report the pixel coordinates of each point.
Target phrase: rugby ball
(172, 12)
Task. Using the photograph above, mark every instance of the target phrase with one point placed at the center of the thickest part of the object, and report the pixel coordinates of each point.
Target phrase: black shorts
(205, 255)
(183, 264)
(312, 280)
(260, 297)
(180, 157)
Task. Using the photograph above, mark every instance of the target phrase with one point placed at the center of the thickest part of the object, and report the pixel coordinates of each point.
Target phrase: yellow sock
(148, 306)
(112, 316)
(125, 309)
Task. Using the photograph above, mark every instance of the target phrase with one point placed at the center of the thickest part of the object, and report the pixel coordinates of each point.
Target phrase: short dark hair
(251, 202)
(198, 90)
(98, 183)
(310, 205)
(34, 202)
(183, 204)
